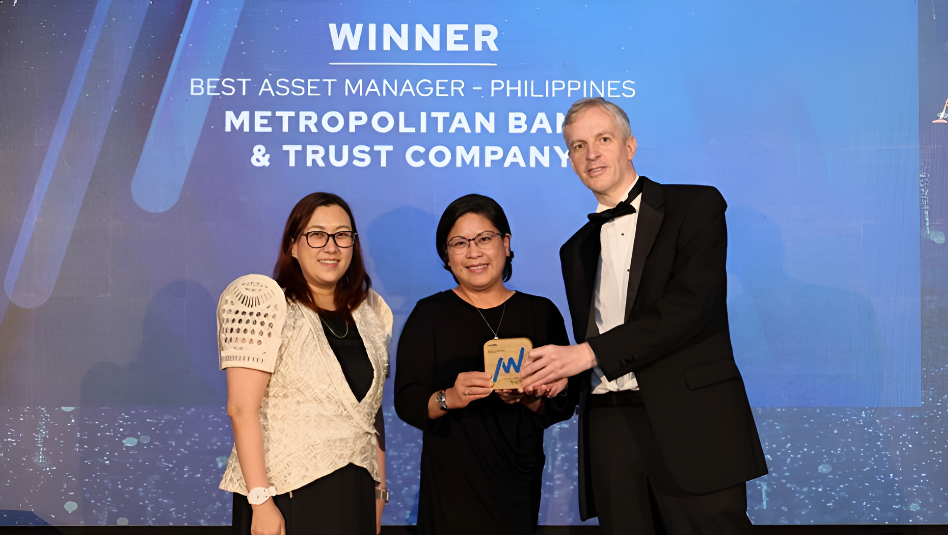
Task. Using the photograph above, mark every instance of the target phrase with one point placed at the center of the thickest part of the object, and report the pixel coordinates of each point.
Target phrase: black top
(481, 466)
(351, 354)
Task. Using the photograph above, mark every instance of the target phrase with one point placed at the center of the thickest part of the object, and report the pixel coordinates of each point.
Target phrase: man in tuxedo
(667, 437)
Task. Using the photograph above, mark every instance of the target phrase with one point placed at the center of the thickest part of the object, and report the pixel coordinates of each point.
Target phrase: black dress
(481, 466)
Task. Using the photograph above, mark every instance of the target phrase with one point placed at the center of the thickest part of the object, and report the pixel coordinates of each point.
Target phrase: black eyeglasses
(460, 244)
(318, 239)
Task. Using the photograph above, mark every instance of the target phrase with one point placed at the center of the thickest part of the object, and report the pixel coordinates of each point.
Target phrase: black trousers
(634, 492)
(342, 503)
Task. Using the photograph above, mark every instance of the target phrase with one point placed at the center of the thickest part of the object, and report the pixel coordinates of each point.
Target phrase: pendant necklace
(498, 323)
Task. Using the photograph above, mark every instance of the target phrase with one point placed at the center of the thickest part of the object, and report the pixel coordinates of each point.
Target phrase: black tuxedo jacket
(675, 338)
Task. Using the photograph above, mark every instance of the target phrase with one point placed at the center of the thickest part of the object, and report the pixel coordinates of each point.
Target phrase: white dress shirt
(612, 283)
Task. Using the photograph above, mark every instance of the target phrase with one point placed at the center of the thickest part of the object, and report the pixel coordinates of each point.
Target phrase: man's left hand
(549, 364)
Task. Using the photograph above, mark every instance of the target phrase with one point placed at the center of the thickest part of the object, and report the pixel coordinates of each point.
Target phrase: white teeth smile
(328, 261)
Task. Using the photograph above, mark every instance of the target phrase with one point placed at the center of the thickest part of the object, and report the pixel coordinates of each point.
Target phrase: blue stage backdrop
(152, 151)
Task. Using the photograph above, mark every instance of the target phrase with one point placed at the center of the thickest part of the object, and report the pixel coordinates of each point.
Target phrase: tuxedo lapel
(651, 213)
(580, 259)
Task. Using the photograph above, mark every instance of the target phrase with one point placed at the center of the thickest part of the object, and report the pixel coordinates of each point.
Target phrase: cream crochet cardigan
(312, 423)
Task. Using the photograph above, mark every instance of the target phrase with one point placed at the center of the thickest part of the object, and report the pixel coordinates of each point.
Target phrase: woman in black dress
(482, 457)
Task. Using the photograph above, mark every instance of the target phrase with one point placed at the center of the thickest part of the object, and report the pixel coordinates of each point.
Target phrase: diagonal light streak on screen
(55, 145)
(177, 124)
(73, 151)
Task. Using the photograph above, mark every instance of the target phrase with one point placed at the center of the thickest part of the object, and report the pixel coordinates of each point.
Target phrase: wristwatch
(258, 495)
(382, 494)
(442, 401)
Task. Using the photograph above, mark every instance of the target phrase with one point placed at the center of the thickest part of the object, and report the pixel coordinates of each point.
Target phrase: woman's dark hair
(352, 288)
(471, 204)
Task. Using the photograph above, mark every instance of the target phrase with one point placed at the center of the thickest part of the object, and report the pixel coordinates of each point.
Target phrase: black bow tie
(623, 208)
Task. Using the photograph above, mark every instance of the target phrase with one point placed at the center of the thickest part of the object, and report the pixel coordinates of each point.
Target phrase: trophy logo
(503, 359)
(507, 366)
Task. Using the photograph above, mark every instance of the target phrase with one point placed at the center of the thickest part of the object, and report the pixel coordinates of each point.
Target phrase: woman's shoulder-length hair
(351, 290)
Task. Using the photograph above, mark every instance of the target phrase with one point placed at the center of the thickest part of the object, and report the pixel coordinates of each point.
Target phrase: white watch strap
(259, 495)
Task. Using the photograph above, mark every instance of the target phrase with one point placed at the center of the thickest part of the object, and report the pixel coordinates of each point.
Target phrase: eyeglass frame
(329, 236)
(447, 246)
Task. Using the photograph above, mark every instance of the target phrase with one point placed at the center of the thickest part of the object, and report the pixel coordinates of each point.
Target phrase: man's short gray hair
(583, 104)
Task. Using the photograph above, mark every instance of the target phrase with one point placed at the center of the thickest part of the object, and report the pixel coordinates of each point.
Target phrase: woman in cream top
(306, 358)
